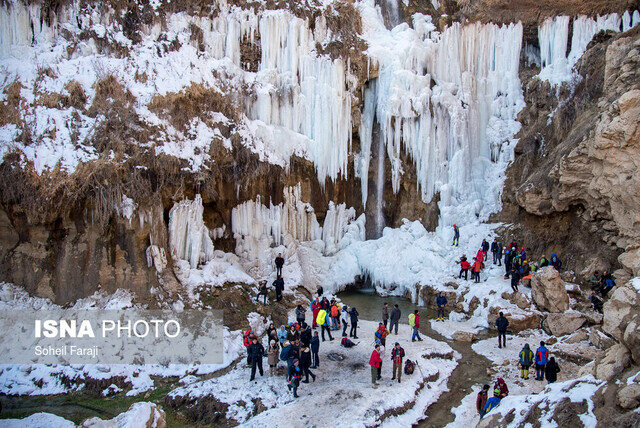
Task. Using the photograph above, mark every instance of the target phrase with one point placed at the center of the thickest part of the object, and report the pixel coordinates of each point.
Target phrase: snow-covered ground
(342, 391)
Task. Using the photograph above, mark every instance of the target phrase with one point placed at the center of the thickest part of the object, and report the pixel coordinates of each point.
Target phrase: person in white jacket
(344, 317)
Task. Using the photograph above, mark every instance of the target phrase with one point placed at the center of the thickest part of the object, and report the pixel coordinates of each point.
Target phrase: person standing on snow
(354, 323)
(315, 349)
(508, 257)
(515, 278)
(499, 253)
(441, 303)
(374, 362)
(296, 375)
(300, 314)
(542, 357)
(464, 267)
(395, 318)
(323, 323)
(278, 285)
(456, 235)
(344, 317)
(255, 353)
(385, 314)
(502, 323)
(475, 269)
(481, 400)
(397, 355)
(315, 308)
(485, 249)
(494, 250)
(526, 360)
(273, 351)
(551, 370)
(414, 323)
(381, 334)
(279, 264)
(305, 364)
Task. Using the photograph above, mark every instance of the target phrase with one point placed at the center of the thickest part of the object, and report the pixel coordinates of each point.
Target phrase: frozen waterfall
(188, 236)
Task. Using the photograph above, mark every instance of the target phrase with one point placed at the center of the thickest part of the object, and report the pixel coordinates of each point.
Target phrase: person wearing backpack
(481, 400)
(502, 386)
(501, 324)
(344, 318)
(374, 362)
(296, 375)
(335, 315)
(492, 402)
(397, 354)
(346, 342)
(551, 370)
(322, 322)
(526, 360)
(542, 357)
(414, 323)
(555, 261)
(409, 367)
(395, 318)
(382, 333)
(315, 349)
(441, 303)
(353, 314)
(475, 269)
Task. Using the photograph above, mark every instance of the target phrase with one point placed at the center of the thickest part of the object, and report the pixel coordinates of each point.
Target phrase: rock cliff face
(574, 183)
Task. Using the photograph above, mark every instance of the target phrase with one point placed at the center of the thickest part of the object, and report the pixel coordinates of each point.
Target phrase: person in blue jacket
(542, 357)
(492, 402)
(282, 334)
(315, 348)
(555, 261)
(441, 302)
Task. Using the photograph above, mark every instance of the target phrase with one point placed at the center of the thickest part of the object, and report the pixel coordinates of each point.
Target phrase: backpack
(334, 311)
(609, 283)
(412, 320)
(408, 367)
(284, 354)
(321, 317)
(346, 342)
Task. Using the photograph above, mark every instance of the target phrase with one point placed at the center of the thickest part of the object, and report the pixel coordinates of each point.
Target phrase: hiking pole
(419, 368)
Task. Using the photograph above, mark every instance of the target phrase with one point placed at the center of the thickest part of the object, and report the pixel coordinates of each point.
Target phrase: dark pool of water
(369, 305)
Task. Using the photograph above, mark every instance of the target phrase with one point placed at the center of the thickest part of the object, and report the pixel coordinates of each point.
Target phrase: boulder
(141, 414)
(629, 397)
(578, 336)
(614, 362)
(631, 338)
(593, 317)
(563, 324)
(517, 321)
(464, 336)
(619, 309)
(548, 290)
(599, 339)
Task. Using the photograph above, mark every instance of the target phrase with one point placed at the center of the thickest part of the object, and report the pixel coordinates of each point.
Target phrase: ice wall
(188, 236)
(553, 35)
(450, 100)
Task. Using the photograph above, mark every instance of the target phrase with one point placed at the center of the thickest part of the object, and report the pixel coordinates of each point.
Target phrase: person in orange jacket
(475, 269)
(374, 362)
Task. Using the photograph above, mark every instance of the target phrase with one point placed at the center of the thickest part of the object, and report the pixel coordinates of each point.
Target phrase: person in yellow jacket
(322, 321)
(526, 360)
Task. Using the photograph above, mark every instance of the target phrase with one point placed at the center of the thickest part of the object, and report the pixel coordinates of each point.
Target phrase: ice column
(188, 236)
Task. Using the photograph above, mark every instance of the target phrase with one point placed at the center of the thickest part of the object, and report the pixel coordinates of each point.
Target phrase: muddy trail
(472, 367)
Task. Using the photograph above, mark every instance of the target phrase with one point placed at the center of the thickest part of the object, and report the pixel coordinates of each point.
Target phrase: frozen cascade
(458, 130)
(553, 35)
(380, 188)
(188, 236)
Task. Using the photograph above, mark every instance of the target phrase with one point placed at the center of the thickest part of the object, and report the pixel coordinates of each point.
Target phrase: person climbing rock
(542, 357)
(323, 323)
(305, 364)
(464, 267)
(481, 400)
(414, 323)
(551, 370)
(441, 303)
(502, 323)
(594, 280)
(456, 235)
(353, 314)
(278, 285)
(315, 350)
(555, 261)
(397, 354)
(279, 264)
(273, 351)
(385, 314)
(492, 402)
(344, 318)
(544, 261)
(374, 362)
(526, 360)
(395, 318)
(255, 353)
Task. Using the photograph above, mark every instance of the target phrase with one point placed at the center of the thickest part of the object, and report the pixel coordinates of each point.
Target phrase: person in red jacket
(481, 400)
(475, 270)
(315, 308)
(248, 340)
(480, 255)
(464, 267)
(374, 362)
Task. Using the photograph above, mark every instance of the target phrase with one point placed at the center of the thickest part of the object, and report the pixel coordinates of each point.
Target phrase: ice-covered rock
(139, 415)
(548, 290)
(188, 236)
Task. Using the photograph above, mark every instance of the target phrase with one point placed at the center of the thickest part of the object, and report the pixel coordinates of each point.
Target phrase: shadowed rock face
(573, 187)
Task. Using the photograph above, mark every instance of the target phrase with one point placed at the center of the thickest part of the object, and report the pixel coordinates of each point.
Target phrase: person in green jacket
(526, 361)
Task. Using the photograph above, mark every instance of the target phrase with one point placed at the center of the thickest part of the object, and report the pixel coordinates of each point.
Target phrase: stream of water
(471, 369)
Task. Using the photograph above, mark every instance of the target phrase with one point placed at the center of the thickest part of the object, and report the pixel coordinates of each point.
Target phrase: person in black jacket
(397, 355)
(551, 370)
(502, 323)
(305, 364)
(354, 323)
(515, 278)
(279, 264)
(255, 352)
(278, 284)
(315, 349)
(394, 318)
(494, 251)
(305, 335)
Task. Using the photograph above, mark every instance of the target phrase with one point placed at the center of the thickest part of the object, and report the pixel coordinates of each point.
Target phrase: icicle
(188, 236)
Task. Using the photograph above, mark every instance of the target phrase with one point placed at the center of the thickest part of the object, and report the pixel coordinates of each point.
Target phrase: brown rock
(628, 397)
(621, 307)
(464, 336)
(563, 324)
(517, 322)
(614, 362)
(599, 339)
(578, 336)
(548, 290)
(631, 338)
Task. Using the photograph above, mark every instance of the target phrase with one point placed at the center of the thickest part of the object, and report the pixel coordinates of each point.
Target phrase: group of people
(484, 403)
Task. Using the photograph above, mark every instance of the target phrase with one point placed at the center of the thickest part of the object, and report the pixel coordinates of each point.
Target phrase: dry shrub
(10, 108)
(77, 97)
(195, 101)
